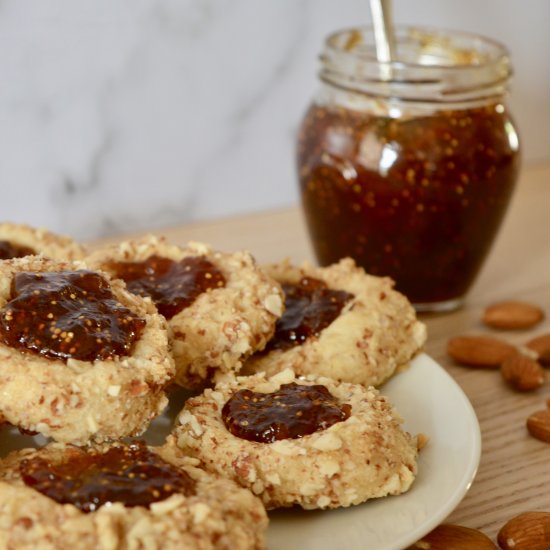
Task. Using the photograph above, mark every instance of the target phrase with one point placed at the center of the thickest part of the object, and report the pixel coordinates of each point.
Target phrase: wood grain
(514, 474)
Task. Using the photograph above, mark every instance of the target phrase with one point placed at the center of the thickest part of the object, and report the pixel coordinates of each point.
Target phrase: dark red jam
(172, 286)
(310, 306)
(130, 474)
(419, 199)
(292, 412)
(10, 250)
(68, 314)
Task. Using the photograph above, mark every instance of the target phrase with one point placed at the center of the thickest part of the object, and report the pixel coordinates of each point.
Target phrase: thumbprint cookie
(220, 307)
(81, 358)
(20, 240)
(311, 441)
(122, 496)
(341, 323)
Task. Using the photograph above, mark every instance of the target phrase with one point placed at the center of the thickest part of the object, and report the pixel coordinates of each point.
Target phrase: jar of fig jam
(409, 166)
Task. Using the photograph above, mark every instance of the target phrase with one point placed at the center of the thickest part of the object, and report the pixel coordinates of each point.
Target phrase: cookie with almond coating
(220, 307)
(81, 358)
(373, 334)
(19, 240)
(290, 450)
(154, 499)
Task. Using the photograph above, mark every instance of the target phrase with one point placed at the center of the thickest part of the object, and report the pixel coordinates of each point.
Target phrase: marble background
(122, 115)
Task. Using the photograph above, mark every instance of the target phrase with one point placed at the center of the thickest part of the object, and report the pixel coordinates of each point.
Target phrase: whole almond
(522, 373)
(512, 315)
(528, 531)
(479, 351)
(454, 537)
(541, 345)
(538, 425)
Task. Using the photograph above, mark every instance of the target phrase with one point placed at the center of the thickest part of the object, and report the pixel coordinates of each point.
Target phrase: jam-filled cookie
(220, 307)
(19, 240)
(340, 322)
(313, 442)
(122, 497)
(80, 357)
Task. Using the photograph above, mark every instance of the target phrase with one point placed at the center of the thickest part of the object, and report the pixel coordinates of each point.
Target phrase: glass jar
(409, 166)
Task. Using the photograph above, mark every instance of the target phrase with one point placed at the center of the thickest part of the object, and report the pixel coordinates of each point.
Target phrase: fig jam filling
(10, 250)
(68, 314)
(292, 412)
(130, 474)
(172, 285)
(310, 306)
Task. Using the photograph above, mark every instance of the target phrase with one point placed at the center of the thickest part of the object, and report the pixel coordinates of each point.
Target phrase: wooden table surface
(514, 473)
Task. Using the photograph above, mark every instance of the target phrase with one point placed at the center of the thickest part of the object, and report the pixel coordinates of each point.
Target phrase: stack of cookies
(281, 362)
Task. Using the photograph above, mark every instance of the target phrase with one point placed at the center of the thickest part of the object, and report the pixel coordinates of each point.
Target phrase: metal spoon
(384, 38)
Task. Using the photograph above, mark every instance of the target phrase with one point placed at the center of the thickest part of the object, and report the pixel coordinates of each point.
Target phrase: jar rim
(499, 50)
(432, 64)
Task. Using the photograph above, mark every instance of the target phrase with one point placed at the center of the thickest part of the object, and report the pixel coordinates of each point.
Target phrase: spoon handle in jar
(383, 30)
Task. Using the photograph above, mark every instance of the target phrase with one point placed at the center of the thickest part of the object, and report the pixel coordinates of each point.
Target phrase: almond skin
(454, 537)
(522, 373)
(479, 351)
(538, 425)
(528, 531)
(541, 346)
(512, 315)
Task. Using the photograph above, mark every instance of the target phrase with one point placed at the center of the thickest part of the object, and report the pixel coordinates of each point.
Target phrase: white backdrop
(117, 115)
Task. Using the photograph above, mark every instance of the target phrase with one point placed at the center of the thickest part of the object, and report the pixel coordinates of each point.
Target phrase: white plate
(432, 403)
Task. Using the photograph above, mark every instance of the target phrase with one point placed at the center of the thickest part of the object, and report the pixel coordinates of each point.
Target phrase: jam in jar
(409, 167)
